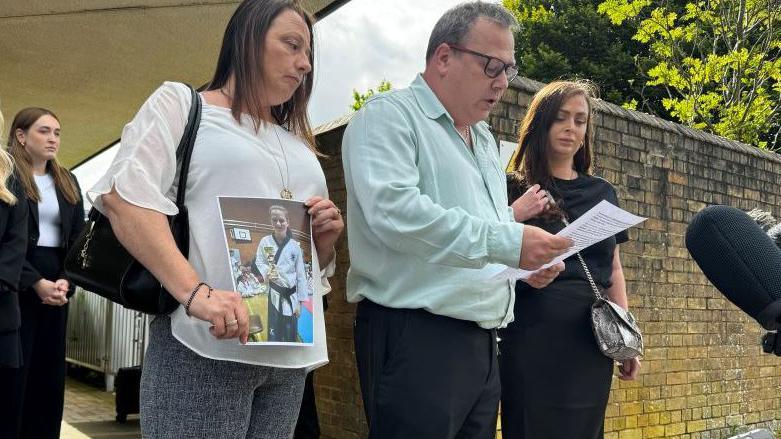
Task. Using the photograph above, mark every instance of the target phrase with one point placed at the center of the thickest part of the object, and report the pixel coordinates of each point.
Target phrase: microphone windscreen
(740, 260)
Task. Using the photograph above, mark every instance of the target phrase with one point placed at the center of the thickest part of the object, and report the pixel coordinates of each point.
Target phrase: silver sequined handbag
(615, 328)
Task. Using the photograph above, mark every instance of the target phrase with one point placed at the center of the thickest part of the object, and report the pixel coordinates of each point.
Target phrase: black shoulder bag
(99, 263)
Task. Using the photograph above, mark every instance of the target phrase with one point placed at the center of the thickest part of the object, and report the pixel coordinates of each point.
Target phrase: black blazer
(13, 238)
(72, 217)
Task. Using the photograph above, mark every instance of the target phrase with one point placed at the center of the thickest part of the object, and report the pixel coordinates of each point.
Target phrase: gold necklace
(285, 192)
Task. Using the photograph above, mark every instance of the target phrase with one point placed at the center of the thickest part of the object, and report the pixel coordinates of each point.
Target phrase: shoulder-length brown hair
(530, 160)
(241, 55)
(62, 178)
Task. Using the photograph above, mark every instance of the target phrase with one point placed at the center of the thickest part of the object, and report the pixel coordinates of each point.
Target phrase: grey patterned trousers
(184, 395)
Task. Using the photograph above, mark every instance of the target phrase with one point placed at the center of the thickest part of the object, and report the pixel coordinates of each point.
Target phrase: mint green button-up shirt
(427, 218)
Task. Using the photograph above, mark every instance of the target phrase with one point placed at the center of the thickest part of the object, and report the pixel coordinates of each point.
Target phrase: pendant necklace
(285, 192)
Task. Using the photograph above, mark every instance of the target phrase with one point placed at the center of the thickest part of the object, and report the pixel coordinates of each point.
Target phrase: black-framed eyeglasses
(493, 66)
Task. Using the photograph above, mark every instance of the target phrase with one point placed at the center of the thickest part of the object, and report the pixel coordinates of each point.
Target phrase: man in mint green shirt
(429, 228)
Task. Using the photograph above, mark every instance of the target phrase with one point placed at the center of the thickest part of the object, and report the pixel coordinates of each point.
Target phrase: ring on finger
(233, 322)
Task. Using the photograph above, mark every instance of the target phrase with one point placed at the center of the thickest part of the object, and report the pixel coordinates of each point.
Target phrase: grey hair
(456, 23)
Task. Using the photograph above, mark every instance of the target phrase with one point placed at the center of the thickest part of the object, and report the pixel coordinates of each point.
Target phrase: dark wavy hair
(529, 164)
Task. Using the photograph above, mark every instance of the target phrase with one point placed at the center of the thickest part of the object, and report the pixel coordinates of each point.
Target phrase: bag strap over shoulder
(185, 149)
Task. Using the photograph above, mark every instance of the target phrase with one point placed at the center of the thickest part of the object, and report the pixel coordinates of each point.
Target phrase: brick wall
(339, 403)
(704, 375)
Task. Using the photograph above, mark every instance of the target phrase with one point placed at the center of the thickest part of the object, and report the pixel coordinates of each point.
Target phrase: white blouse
(229, 159)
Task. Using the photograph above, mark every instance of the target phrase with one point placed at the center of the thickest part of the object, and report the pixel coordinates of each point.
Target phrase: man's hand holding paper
(539, 247)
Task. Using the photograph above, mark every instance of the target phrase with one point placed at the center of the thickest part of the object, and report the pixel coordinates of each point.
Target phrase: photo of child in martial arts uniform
(280, 261)
(268, 249)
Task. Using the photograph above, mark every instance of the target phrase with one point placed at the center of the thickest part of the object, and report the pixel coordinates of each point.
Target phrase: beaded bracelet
(194, 292)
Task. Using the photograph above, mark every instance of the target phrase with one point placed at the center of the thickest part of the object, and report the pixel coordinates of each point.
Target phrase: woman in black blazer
(55, 218)
(13, 238)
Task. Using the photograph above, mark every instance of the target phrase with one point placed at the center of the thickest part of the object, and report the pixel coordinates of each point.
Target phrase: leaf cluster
(717, 62)
(359, 99)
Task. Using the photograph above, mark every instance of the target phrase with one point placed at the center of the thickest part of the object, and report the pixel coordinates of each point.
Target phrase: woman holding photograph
(555, 380)
(254, 141)
(280, 260)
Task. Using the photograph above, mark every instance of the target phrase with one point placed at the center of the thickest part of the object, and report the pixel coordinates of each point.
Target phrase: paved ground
(89, 413)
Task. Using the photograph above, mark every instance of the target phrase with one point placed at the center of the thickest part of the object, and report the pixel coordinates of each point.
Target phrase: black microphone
(742, 262)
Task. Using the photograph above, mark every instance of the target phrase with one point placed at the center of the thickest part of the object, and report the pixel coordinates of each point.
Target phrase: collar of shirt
(428, 101)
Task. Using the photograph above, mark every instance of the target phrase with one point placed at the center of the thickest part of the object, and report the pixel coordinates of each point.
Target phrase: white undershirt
(49, 221)
(229, 159)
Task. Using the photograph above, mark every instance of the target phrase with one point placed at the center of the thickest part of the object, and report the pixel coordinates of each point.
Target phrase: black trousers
(282, 328)
(39, 390)
(8, 407)
(308, 424)
(555, 381)
(425, 376)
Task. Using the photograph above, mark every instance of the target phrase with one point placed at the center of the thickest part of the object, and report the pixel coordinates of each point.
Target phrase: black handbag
(99, 263)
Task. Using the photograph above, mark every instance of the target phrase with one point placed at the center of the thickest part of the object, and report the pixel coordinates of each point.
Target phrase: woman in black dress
(55, 218)
(555, 381)
(13, 244)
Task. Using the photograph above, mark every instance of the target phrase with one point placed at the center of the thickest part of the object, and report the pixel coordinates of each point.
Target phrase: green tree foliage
(359, 99)
(716, 61)
(571, 39)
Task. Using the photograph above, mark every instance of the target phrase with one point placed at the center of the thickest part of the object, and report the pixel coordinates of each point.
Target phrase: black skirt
(555, 381)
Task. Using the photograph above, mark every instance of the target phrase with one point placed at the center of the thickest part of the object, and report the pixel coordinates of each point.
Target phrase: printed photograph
(268, 242)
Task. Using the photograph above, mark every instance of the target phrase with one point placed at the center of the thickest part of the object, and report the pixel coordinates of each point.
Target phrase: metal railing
(104, 336)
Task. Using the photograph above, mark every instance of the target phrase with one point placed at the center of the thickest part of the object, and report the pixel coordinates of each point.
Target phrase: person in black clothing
(55, 218)
(308, 424)
(555, 380)
(13, 244)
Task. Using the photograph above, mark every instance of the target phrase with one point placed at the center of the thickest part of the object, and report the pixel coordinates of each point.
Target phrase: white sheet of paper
(599, 223)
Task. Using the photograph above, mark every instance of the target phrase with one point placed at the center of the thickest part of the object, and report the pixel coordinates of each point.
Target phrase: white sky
(362, 43)
(366, 41)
